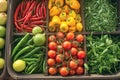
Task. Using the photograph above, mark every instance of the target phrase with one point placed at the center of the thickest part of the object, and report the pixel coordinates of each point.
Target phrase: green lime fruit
(2, 63)
(19, 65)
(2, 43)
(3, 5)
(3, 18)
(2, 31)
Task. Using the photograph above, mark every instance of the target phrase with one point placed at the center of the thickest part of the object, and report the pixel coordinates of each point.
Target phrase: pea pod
(24, 50)
(32, 52)
(21, 43)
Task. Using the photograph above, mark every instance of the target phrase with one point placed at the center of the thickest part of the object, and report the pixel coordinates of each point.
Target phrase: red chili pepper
(16, 12)
(27, 7)
(44, 10)
(27, 17)
(37, 23)
(18, 27)
(26, 26)
(32, 6)
(37, 9)
(35, 18)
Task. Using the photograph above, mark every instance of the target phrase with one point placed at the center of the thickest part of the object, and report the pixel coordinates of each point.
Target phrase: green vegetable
(29, 54)
(23, 51)
(39, 39)
(101, 15)
(21, 43)
(103, 54)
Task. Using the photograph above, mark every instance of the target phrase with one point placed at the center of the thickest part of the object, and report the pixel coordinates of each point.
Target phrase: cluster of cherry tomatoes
(65, 54)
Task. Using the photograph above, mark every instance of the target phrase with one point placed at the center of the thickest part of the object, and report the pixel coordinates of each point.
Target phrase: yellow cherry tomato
(74, 4)
(51, 27)
(51, 3)
(63, 27)
(63, 16)
(71, 21)
(66, 9)
(72, 28)
(72, 14)
(55, 11)
(79, 27)
(67, 2)
(56, 21)
(59, 3)
(78, 18)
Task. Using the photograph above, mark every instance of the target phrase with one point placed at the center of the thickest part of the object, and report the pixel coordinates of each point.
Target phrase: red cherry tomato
(51, 62)
(51, 38)
(80, 62)
(72, 72)
(52, 46)
(51, 54)
(79, 70)
(59, 35)
(59, 58)
(75, 44)
(70, 36)
(67, 55)
(73, 51)
(80, 38)
(59, 49)
(81, 54)
(64, 71)
(73, 64)
(66, 45)
(52, 70)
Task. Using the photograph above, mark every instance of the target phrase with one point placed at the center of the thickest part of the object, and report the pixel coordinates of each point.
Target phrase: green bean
(21, 43)
(35, 50)
(24, 50)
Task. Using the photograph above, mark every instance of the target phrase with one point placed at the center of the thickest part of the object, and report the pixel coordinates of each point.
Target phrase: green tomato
(36, 30)
(2, 31)
(2, 63)
(39, 39)
(19, 65)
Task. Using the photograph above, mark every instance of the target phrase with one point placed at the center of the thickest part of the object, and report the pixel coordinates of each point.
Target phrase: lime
(2, 31)
(19, 65)
(2, 43)
(2, 62)
(36, 30)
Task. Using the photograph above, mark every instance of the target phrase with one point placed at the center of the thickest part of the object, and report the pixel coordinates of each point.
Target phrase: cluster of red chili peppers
(28, 14)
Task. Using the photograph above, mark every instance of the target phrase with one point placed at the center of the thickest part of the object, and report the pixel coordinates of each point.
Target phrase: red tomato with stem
(64, 71)
(51, 54)
(81, 54)
(66, 45)
(70, 36)
(59, 35)
(73, 51)
(80, 38)
(59, 58)
(52, 46)
(60, 48)
(72, 72)
(67, 55)
(80, 62)
(51, 62)
(73, 64)
(75, 44)
(52, 70)
(51, 38)
(79, 70)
